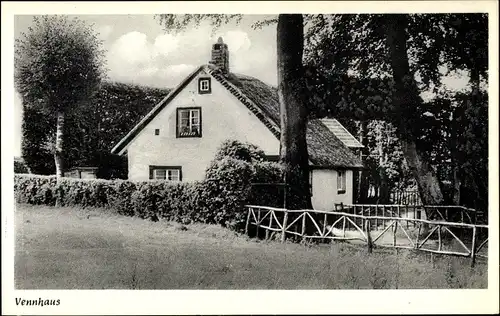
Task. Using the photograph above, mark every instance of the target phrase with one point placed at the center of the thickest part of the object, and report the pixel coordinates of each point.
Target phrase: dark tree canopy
(349, 66)
(58, 63)
(93, 129)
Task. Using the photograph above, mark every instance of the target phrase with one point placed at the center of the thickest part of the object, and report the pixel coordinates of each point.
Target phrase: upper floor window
(165, 173)
(189, 122)
(204, 85)
(341, 181)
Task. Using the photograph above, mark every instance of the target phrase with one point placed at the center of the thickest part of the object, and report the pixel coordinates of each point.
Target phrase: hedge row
(219, 199)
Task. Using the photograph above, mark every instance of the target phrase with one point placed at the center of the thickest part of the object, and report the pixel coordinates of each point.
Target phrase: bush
(227, 186)
(218, 199)
(156, 200)
(85, 193)
(225, 191)
(240, 151)
(149, 199)
(37, 190)
(120, 196)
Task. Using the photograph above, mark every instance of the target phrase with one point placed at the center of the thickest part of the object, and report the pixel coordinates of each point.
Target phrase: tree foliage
(93, 129)
(58, 64)
(348, 63)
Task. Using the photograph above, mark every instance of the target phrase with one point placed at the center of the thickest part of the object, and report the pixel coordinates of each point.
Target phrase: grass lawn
(70, 248)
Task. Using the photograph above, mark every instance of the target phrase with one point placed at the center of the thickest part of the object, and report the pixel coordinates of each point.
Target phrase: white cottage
(178, 138)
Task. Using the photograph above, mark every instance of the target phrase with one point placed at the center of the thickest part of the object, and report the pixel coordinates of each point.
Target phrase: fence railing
(405, 197)
(434, 236)
(448, 213)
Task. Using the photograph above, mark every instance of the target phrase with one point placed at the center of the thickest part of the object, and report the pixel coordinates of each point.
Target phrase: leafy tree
(291, 91)
(36, 131)
(93, 129)
(106, 118)
(407, 101)
(58, 64)
(348, 62)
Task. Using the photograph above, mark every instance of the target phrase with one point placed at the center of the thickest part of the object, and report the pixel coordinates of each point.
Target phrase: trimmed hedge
(209, 201)
(218, 199)
(37, 190)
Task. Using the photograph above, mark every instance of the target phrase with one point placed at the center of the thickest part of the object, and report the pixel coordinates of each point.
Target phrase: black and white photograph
(343, 151)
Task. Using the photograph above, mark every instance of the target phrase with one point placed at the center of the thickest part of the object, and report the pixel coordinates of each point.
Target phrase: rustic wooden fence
(448, 213)
(441, 237)
(405, 197)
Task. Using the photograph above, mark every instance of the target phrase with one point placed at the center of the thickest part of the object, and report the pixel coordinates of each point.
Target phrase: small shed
(82, 173)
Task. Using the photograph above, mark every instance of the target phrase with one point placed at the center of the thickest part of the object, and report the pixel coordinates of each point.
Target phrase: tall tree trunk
(406, 101)
(59, 145)
(293, 110)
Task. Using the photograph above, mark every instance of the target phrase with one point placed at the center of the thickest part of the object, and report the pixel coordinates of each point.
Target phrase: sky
(139, 51)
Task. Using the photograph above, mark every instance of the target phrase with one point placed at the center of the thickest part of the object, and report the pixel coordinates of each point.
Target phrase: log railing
(434, 236)
(449, 213)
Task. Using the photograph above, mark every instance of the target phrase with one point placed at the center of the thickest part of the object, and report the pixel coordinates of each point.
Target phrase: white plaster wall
(223, 117)
(324, 189)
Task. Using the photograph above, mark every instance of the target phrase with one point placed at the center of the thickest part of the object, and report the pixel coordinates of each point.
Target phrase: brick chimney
(220, 56)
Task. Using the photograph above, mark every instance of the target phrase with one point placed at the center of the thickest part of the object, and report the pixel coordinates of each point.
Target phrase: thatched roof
(324, 148)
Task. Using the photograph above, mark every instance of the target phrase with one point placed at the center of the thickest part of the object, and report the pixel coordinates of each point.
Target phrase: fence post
(368, 236)
(303, 225)
(407, 216)
(283, 232)
(473, 247)
(248, 220)
(258, 222)
(395, 230)
(270, 224)
(325, 220)
(383, 215)
(440, 241)
(362, 214)
(418, 235)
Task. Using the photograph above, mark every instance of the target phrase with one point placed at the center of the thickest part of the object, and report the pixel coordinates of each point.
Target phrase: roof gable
(125, 141)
